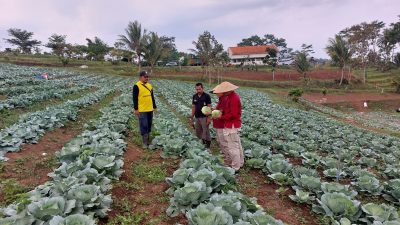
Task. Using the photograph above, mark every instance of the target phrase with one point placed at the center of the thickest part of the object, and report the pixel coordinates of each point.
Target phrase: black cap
(143, 73)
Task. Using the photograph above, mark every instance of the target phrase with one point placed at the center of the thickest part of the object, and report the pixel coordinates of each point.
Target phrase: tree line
(360, 46)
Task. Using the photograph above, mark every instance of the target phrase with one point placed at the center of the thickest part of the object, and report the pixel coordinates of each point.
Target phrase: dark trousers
(145, 121)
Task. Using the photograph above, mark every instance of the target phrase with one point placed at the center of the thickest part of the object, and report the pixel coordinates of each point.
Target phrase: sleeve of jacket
(153, 100)
(233, 110)
(135, 96)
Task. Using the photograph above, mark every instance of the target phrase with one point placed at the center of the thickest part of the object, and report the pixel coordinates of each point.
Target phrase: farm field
(70, 154)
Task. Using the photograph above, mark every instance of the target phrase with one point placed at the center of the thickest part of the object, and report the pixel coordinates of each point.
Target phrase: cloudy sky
(298, 21)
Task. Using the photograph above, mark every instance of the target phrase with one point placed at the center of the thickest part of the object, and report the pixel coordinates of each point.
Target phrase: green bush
(295, 94)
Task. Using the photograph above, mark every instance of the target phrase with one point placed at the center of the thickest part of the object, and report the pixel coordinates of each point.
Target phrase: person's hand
(136, 112)
(208, 120)
(154, 111)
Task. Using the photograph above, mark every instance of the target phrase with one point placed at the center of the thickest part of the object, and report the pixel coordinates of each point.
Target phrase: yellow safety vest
(145, 102)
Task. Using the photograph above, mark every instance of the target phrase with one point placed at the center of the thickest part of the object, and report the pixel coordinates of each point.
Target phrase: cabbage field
(344, 174)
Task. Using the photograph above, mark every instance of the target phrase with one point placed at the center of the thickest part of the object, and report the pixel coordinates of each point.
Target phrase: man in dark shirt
(202, 122)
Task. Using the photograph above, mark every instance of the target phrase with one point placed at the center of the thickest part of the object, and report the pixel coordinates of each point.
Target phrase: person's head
(199, 88)
(143, 76)
(219, 95)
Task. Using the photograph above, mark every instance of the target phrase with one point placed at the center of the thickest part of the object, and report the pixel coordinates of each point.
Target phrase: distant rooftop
(246, 50)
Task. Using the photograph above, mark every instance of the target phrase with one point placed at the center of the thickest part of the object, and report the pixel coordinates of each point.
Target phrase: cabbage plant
(337, 206)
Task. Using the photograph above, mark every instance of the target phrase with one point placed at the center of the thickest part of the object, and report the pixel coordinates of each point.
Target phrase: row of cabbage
(78, 80)
(13, 72)
(201, 187)
(380, 120)
(24, 100)
(77, 193)
(307, 182)
(53, 89)
(32, 126)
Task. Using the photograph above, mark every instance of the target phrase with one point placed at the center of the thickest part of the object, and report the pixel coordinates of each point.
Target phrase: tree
(339, 51)
(57, 43)
(251, 41)
(302, 64)
(134, 39)
(362, 39)
(119, 52)
(97, 48)
(208, 50)
(272, 60)
(154, 48)
(22, 39)
(285, 55)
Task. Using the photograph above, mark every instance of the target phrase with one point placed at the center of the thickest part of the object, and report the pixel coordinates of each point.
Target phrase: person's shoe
(208, 144)
(145, 138)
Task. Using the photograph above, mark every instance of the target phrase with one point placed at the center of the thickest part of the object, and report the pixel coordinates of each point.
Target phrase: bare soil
(255, 184)
(356, 100)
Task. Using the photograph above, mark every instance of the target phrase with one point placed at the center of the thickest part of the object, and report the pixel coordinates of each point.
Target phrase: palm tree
(134, 38)
(339, 51)
(154, 49)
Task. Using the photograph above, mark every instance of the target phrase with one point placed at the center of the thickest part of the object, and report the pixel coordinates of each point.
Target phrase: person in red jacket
(218, 125)
(231, 120)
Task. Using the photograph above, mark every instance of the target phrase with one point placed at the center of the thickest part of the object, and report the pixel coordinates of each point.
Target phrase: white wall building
(248, 54)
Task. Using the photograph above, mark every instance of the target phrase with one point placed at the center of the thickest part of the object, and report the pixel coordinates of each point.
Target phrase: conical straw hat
(225, 87)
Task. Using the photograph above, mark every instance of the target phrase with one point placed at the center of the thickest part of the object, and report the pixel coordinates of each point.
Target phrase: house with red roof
(249, 55)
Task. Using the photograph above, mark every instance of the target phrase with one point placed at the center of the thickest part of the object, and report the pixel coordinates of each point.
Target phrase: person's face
(144, 78)
(199, 90)
(219, 95)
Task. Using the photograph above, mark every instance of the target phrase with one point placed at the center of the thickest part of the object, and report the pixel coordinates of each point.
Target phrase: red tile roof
(246, 50)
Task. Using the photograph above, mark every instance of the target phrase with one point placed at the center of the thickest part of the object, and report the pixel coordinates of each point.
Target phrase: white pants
(231, 147)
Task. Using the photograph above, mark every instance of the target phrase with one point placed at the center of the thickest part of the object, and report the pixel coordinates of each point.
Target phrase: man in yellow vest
(144, 106)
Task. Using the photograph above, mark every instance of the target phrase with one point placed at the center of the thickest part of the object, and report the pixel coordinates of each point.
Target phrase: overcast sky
(298, 21)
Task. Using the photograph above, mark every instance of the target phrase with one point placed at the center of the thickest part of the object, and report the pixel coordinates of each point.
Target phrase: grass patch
(149, 173)
(13, 192)
(129, 219)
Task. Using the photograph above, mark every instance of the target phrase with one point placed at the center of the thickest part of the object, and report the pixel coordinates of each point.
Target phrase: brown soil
(355, 99)
(279, 205)
(28, 166)
(267, 76)
(145, 198)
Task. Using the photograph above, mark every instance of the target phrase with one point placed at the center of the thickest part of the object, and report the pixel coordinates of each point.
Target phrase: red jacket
(232, 111)
(219, 123)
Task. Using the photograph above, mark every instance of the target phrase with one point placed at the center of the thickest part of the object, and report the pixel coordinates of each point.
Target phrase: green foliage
(97, 48)
(13, 191)
(22, 39)
(295, 94)
(129, 219)
(302, 64)
(149, 173)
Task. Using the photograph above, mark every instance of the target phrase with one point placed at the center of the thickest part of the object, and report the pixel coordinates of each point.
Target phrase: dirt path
(255, 184)
(139, 196)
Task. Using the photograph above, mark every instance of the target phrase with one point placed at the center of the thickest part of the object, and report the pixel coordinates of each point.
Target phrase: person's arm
(154, 101)
(135, 96)
(193, 108)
